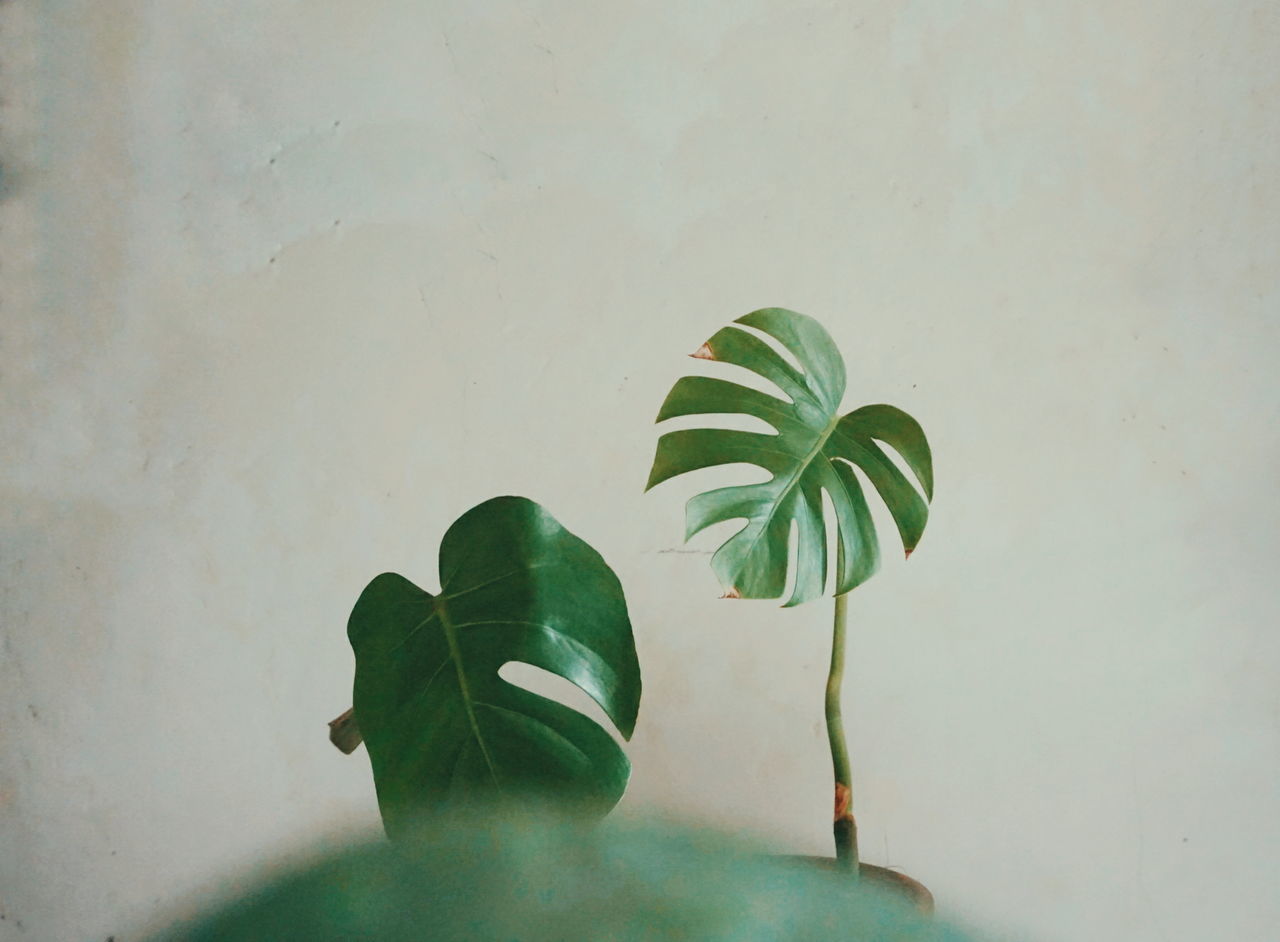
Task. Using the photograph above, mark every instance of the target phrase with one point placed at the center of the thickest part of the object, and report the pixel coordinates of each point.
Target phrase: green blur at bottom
(537, 879)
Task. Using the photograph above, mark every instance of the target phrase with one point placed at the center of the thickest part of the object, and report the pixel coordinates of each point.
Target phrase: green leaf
(813, 450)
(441, 726)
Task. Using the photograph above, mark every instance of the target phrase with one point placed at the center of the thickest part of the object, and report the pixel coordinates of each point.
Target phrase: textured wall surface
(287, 286)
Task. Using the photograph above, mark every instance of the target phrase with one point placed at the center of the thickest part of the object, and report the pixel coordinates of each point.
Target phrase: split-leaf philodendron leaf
(814, 449)
(440, 724)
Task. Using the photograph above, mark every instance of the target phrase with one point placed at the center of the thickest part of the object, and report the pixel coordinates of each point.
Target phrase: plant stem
(844, 828)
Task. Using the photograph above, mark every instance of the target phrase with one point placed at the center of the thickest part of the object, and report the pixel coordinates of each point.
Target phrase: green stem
(844, 828)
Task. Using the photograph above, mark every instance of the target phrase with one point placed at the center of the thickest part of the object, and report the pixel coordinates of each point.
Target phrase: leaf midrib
(819, 444)
(455, 652)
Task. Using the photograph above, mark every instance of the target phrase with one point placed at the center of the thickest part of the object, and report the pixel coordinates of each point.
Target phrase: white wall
(287, 286)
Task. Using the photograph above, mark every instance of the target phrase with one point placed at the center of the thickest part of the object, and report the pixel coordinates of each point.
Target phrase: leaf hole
(737, 421)
(900, 463)
(793, 560)
(881, 518)
(720, 533)
(776, 345)
(742, 375)
(554, 687)
(830, 533)
(731, 475)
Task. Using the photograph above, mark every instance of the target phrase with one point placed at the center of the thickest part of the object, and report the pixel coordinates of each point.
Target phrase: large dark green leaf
(813, 449)
(440, 724)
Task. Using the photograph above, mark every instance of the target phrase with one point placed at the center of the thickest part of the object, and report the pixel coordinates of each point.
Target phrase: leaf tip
(655, 478)
(703, 353)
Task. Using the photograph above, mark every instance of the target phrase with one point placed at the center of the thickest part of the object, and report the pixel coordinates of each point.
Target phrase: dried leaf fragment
(344, 733)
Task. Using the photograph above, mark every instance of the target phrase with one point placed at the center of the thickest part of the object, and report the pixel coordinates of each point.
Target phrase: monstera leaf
(813, 449)
(442, 727)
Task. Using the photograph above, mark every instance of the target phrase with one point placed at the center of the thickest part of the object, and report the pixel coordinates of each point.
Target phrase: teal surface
(532, 880)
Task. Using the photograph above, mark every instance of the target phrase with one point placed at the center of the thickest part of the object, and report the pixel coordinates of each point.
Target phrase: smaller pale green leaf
(811, 451)
(441, 725)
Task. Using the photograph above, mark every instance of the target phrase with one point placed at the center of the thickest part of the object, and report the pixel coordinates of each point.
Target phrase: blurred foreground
(539, 879)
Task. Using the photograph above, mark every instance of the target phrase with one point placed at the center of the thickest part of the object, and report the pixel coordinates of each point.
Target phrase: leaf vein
(543, 723)
(484, 585)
